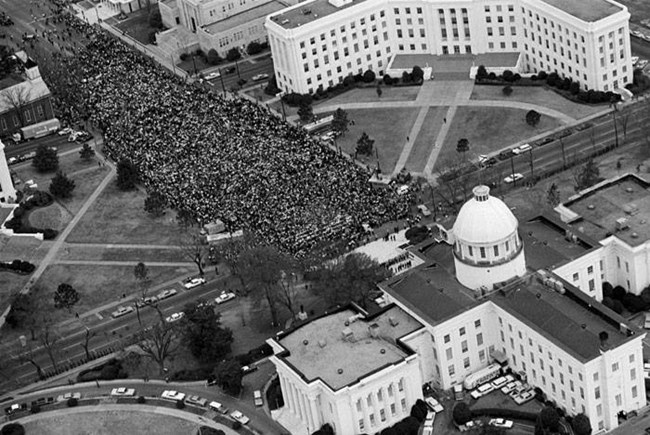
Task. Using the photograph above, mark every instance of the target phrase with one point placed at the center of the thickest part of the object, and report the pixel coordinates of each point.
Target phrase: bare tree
(88, 335)
(49, 339)
(141, 273)
(193, 246)
(288, 290)
(17, 97)
(27, 356)
(160, 343)
(623, 120)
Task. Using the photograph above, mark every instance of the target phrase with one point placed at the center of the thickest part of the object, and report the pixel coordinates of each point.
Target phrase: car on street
(196, 400)
(146, 301)
(238, 416)
(522, 149)
(166, 294)
(74, 136)
(424, 210)
(65, 131)
(224, 297)
(172, 395)
(175, 317)
(123, 391)
(434, 404)
(67, 396)
(218, 407)
(248, 369)
(634, 59)
(512, 178)
(505, 155)
(230, 70)
(122, 311)
(193, 282)
(482, 390)
(213, 75)
(428, 422)
(642, 63)
(524, 397)
(501, 422)
(257, 398)
(646, 321)
(12, 160)
(259, 77)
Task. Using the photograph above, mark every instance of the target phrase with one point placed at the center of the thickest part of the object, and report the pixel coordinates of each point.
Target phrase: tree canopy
(462, 146)
(154, 204)
(340, 121)
(581, 425)
(533, 118)
(365, 144)
(65, 296)
(204, 336)
(127, 175)
(46, 159)
(461, 413)
(61, 185)
(587, 175)
(228, 375)
(86, 152)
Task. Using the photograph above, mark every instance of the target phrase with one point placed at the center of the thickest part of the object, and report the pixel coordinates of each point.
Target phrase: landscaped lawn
(387, 127)
(96, 284)
(489, 129)
(92, 421)
(119, 217)
(364, 95)
(80, 252)
(426, 138)
(136, 25)
(537, 95)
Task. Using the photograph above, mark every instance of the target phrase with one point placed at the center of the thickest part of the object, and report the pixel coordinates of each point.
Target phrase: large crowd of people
(221, 158)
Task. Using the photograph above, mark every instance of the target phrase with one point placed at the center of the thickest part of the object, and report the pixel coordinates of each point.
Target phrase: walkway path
(413, 134)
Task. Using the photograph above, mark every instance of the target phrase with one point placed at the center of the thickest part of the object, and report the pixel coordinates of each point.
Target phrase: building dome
(484, 219)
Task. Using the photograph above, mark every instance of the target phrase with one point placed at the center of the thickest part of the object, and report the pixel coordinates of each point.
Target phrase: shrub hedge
(18, 266)
(504, 413)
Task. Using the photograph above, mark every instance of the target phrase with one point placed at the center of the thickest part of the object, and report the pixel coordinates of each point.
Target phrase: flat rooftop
(236, 20)
(309, 11)
(586, 10)
(546, 243)
(318, 349)
(564, 319)
(598, 209)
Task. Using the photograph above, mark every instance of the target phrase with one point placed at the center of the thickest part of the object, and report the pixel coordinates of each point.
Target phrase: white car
(216, 406)
(524, 397)
(166, 294)
(257, 398)
(172, 395)
(500, 422)
(239, 417)
(68, 130)
(641, 63)
(74, 136)
(193, 282)
(424, 210)
(521, 149)
(123, 391)
(213, 75)
(224, 297)
(175, 317)
(428, 422)
(434, 404)
(196, 400)
(67, 396)
(121, 311)
(634, 59)
(259, 77)
(507, 388)
(512, 178)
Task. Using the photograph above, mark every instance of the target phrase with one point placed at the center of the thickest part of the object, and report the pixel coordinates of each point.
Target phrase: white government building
(495, 291)
(317, 43)
(7, 190)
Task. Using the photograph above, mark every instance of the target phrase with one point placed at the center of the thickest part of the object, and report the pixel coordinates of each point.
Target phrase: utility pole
(237, 66)
(223, 88)
(615, 126)
(563, 154)
(512, 169)
(532, 170)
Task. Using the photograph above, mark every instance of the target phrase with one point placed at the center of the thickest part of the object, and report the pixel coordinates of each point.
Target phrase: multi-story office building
(558, 337)
(318, 43)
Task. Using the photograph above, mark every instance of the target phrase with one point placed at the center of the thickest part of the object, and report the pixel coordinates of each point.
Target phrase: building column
(285, 392)
(314, 412)
(386, 404)
(375, 407)
(296, 398)
(366, 415)
(308, 418)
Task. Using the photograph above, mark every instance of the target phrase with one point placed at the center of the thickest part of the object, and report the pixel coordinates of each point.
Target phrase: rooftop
(26, 90)
(597, 211)
(257, 12)
(548, 244)
(572, 320)
(309, 11)
(319, 350)
(586, 10)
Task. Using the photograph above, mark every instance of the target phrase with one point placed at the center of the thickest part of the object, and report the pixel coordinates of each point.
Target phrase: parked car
(146, 301)
(524, 397)
(65, 131)
(482, 390)
(424, 210)
(172, 395)
(505, 155)
(257, 398)
(434, 404)
(230, 70)
(216, 406)
(166, 294)
(512, 178)
(521, 149)
(213, 75)
(428, 422)
(642, 63)
(196, 400)
(259, 77)
(506, 389)
(500, 422)
(193, 282)
(123, 391)
(646, 322)
(122, 311)
(239, 417)
(224, 297)
(66, 396)
(248, 369)
(175, 317)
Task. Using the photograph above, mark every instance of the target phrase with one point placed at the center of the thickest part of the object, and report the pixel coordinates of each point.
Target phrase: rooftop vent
(538, 295)
(339, 371)
(631, 209)
(285, 21)
(322, 343)
(305, 342)
(306, 11)
(629, 190)
(383, 351)
(621, 224)
(591, 206)
(393, 322)
(634, 235)
(374, 330)
(348, 335)
(583, 326)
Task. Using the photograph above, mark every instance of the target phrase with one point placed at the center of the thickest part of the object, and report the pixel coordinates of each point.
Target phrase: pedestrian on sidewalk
(444, 120)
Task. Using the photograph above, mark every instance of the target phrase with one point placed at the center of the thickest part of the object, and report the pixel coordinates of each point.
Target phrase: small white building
(348, 369)
(317, 43)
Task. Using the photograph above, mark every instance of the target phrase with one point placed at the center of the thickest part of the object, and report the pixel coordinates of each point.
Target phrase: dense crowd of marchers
(221, 158)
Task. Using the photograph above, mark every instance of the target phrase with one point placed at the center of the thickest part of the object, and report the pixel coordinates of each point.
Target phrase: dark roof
(586, 10)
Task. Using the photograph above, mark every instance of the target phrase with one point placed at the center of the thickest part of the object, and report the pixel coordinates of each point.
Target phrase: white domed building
(487, 246)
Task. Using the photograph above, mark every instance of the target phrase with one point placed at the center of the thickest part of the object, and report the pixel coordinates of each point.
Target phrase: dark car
(505, 155)
(230, 70)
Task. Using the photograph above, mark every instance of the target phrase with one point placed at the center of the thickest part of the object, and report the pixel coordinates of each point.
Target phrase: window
(482, 249)
(597, 393)
(447, 338)
(477, 324)
(496, 251)
(631, 358)
(463, 346)
(466, 362)
(452, 370)
(634, 391)
(576, 276)
(479, 339)
(481, 355)
(462, 331)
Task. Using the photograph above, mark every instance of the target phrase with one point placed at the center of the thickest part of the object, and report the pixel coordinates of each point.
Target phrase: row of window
(27, 115)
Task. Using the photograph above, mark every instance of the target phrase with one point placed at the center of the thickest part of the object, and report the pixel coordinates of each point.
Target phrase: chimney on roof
(374, 330)
(348, 335)
(604, 337)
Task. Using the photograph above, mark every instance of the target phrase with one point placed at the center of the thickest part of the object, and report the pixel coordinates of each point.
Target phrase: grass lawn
(364, 95)
(69, 164)
(258, 93)
(121, 254)
(188, 65)
(387, 127)
(426, 138)
(122, 219)
(489, 129)
(136, 25)
(52, 216)
(23, 248)
(537, 95)
(109, 422)
(85, 184)
(96, 284)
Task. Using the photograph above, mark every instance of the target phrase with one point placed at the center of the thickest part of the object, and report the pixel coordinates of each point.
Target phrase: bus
(482, 376)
